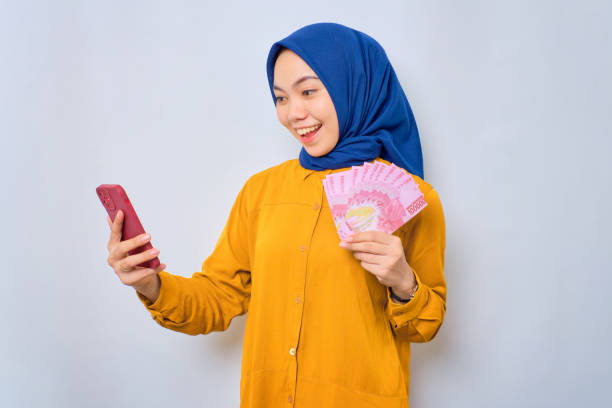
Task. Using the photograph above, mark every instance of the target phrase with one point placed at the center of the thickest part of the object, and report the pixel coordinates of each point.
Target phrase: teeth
(306, 130)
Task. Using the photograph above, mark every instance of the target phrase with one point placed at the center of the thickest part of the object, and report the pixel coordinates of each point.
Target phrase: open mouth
(308, 133)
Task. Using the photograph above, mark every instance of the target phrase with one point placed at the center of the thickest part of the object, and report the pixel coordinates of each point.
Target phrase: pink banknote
(373, 196)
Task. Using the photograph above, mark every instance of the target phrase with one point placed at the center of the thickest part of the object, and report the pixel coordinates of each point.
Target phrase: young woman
(329, 322)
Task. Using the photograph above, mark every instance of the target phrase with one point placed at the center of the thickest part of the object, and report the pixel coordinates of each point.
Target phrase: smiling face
(303, 105)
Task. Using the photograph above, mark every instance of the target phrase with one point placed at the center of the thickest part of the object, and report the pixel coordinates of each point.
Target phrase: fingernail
(146, 238)
(154, 251)
(342, 243)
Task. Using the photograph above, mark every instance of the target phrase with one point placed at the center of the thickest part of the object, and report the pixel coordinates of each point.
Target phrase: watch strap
(399, 299)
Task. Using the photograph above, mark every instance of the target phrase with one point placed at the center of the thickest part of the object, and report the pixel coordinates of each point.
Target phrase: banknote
(374, 196)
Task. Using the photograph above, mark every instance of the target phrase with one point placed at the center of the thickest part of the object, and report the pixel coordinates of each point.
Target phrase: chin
(316, 152)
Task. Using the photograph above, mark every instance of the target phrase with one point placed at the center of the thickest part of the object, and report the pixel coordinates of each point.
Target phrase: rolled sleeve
(424, 244)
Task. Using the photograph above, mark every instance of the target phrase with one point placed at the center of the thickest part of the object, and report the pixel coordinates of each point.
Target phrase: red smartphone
(114, 198)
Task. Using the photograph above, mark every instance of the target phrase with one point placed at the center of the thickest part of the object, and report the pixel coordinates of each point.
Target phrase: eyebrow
(296, 83)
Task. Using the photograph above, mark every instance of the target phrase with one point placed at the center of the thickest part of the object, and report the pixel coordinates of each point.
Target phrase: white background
(170, 99)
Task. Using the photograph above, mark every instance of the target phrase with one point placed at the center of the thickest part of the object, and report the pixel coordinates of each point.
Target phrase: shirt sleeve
(210, 299)
(424, 243)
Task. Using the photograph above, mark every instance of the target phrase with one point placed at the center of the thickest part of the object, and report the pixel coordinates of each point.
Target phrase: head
(351, 90)
(303, 103)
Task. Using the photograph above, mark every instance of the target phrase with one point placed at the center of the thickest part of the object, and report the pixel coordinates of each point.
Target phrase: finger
(374, 269)
(137, 275)
(110, 223)
(374, 236)
(116, 227)
(370, 258)
(368, 246)
(131, 261)
(129, 244)
(124, 267)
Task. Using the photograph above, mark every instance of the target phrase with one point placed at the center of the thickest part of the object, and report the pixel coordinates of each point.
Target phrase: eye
(309, 90)
(278, 98)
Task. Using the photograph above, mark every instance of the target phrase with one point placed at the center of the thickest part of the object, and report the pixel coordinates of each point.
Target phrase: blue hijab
(374, 117)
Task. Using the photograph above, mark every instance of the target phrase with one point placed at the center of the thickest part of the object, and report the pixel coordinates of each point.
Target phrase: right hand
(144, 280)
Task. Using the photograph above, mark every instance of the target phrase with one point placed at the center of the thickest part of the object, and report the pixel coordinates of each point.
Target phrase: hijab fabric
(374, 117)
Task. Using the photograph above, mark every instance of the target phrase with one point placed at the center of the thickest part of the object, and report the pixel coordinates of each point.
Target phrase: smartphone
(114, 198)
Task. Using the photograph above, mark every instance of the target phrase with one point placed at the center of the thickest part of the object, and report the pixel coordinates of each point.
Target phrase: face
(303, 105)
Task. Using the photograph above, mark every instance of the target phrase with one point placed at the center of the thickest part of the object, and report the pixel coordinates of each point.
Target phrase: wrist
(404, 295)
(406, 288)
(151, 289)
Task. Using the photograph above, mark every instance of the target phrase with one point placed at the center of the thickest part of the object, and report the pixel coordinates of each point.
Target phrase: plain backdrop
(170, 99)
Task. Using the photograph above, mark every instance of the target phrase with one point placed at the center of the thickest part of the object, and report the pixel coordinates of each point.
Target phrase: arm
(210, 299)
(424, 243)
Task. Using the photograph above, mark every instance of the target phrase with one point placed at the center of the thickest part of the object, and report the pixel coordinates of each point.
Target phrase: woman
(330, 323)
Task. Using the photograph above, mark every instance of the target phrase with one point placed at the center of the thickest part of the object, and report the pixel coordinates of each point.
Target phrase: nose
(296, 111)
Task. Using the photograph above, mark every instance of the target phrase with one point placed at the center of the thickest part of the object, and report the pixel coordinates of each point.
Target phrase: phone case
(114, 198)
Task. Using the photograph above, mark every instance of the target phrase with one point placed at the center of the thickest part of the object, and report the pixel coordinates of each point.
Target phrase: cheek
(320, 111)
(332, 122)
(332, 118)
(326, 112)
(281, 115)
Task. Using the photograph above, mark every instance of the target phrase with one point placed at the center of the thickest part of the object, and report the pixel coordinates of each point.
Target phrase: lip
(304, 127)
(310, 138)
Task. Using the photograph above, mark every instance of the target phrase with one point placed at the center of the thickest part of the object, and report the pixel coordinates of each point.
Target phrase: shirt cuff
(401, 313)
(168, 289)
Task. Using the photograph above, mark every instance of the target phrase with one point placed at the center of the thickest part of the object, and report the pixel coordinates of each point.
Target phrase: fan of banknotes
(373, 196)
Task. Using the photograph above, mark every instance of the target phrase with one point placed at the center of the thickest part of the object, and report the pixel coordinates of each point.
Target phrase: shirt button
(292, 351)
(297, 299)
(302, 248)
(316, 206)
(290, 399)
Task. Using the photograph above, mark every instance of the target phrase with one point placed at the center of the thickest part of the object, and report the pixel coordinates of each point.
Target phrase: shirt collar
(305, 173)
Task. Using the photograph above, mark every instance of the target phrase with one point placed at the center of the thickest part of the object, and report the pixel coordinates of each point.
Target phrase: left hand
(382, 255)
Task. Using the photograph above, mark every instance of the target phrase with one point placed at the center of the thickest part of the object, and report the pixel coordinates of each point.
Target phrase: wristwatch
(399, 299)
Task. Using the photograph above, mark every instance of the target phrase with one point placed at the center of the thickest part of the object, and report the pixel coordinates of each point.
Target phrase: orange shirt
(321, 331)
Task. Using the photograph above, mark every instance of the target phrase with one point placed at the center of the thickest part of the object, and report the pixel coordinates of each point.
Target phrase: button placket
(300, 290)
